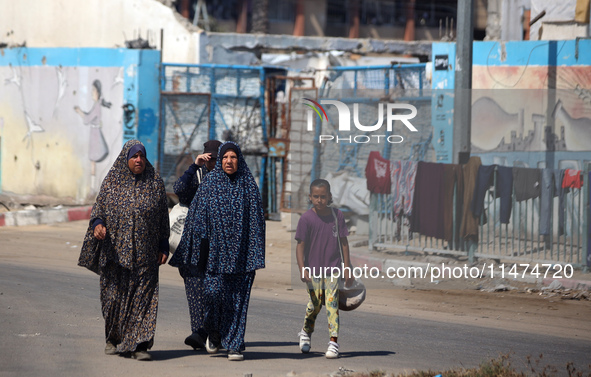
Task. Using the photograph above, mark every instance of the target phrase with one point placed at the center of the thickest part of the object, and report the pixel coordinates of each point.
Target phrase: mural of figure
(97, 147)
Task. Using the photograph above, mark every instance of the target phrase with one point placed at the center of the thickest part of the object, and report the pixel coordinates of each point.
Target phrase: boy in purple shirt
(320, 264)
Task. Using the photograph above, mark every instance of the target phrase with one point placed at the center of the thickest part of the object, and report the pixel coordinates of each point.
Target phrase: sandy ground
(525, 308)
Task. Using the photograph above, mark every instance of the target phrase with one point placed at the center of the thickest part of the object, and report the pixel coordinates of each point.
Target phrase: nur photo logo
(386, 113)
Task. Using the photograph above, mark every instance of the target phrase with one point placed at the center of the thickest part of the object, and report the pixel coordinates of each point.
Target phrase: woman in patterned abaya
(226, 214)
(126, 242)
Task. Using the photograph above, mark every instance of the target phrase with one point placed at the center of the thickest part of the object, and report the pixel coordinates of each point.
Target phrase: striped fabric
(403, 186)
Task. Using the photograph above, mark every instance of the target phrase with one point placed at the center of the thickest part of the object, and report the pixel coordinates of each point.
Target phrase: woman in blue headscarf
(227, 215)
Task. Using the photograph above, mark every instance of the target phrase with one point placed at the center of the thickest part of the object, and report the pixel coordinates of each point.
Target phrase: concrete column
(409, 29)
(242, 21)
(526, 18)
(463, 82)
(354, 24)
(185, 9)
(299, 26)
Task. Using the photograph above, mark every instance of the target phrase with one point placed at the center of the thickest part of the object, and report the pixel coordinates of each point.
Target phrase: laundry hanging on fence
(377, 173)
(469, 227)
(503, 190)
(572, 179)
(452, 177)
(527, 183)
(427, 213)
(484, 180)
(403, 186)
(551, 187)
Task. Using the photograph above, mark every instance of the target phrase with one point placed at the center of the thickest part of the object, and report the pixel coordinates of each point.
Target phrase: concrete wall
(531, 102)
(242, 49)
(62, 122)
(560, 21)
(97, 23)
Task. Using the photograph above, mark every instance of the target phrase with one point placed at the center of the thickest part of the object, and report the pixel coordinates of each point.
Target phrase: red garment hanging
(377, 172)
(572, 179)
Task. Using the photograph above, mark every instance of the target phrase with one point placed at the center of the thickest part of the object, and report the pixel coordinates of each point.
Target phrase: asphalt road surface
(50, 325)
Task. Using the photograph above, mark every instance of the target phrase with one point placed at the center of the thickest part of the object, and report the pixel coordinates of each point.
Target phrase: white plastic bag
(177, 217)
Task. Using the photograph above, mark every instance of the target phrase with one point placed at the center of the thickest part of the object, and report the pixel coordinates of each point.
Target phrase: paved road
(50, 325)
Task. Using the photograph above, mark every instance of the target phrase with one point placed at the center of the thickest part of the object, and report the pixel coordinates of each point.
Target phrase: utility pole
(463, 82)
(463, 93)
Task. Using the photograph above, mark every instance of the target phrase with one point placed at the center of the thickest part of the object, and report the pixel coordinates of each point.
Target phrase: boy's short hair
(321, 183)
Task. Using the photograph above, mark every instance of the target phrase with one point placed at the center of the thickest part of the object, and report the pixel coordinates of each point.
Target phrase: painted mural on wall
(62, 128)
(98, 149)
(520, 113)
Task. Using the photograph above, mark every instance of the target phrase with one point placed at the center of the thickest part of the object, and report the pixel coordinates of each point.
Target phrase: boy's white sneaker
(305, 341)
(333, 350)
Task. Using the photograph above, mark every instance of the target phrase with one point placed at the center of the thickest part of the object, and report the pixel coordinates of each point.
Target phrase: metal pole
(162, 78)
(585, 251)
(463, 82)
(462, 92)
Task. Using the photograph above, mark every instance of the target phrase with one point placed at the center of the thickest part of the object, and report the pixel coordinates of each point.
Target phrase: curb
(44, 216)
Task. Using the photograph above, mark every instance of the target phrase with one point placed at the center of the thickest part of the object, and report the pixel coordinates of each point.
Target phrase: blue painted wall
(142, 90)
(44, 97)
(553, 70)
(533, 53)
(141, 79)
(149, 103)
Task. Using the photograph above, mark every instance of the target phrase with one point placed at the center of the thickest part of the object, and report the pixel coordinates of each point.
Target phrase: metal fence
(185, 120)
(520, 240)
(366, 89)
(200, 102)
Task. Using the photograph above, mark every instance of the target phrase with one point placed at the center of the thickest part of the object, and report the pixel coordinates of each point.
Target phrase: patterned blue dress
(227, 212)
(186, 188)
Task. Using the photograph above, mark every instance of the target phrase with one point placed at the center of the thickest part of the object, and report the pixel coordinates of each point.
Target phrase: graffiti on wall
(64, 125)
(517, 119)
(98, 149)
